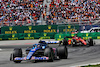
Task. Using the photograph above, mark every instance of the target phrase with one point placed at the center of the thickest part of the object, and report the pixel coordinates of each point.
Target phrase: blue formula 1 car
(40, 51)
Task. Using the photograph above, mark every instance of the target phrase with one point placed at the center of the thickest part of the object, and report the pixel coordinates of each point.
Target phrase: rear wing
(52, 42)
(49, 42)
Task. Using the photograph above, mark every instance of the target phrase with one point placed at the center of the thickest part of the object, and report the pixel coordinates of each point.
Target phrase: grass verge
(98, 65)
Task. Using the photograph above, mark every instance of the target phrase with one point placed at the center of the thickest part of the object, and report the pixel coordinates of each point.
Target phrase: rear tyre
(17, 52)
(90, 42)
(49, 53)
(62, 52)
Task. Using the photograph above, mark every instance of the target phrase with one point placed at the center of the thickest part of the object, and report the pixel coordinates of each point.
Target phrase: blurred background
(49, 12)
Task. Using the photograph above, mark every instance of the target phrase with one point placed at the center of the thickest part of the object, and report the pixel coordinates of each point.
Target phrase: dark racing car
(40, 51)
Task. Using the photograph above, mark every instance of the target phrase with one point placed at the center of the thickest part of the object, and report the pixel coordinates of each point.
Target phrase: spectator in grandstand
(74, 10)
(18, 12)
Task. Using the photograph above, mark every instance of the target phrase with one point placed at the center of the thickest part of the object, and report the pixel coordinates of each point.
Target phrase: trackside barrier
(95, 35)
(56, 32)
(39, 29)
(24, 36)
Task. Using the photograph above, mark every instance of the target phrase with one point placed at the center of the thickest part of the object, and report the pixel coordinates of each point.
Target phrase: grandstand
(20, 12)
(73, 11)
(30, 12)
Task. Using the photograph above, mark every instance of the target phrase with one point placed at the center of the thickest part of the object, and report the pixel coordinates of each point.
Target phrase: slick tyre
(62, 52)
(17, 52)
(49, 53)
(90, 42)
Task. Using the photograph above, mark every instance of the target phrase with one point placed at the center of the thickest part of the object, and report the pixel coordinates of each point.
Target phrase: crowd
(73, 11)
(20, 12)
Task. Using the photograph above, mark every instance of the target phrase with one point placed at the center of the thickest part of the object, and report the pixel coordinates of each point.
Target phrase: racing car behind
(77, 41)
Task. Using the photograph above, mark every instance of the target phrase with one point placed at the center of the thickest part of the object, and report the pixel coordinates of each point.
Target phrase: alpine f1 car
(40, 51)
(77, 41)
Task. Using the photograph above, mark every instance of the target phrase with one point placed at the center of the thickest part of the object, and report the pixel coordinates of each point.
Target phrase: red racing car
(77, 41)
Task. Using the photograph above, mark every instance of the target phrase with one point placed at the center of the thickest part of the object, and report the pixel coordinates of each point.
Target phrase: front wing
(32, 58)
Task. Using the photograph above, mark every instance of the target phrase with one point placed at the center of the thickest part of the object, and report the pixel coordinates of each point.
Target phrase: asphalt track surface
(76, 55)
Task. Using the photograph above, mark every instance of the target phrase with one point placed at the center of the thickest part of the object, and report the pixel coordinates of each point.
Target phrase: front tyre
(17, 52)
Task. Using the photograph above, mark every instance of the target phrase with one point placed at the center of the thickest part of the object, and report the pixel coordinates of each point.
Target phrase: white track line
(86, 64)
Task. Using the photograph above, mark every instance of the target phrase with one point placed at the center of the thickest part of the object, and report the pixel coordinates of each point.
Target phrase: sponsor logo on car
(18, 58)
(33, 49)
(41, 58)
